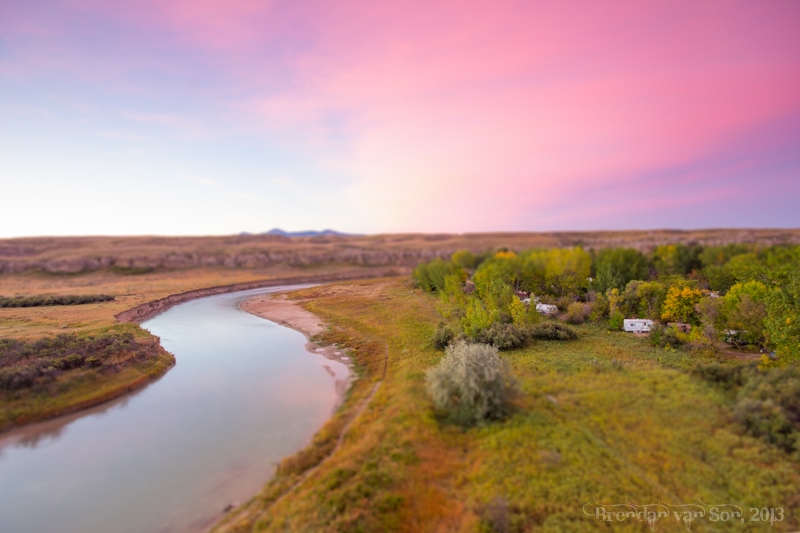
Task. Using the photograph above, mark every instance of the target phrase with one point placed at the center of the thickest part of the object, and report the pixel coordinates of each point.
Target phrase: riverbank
(289, 313)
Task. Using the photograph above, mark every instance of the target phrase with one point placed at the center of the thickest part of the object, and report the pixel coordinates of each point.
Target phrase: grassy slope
(605, 417)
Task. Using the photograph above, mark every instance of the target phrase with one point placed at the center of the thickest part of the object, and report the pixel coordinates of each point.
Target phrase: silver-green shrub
(471, 384)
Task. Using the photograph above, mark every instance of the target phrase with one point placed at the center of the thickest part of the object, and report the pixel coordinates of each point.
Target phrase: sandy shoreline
(277, 308)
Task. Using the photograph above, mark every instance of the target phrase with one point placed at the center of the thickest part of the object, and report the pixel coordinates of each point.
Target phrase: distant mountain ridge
(309, 233)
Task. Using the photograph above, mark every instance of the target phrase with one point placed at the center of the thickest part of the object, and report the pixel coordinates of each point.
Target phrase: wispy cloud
(435, 116)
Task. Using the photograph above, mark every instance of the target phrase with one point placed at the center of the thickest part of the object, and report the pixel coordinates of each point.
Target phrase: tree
(477, 317)
(465, 259)
(676, 259)
(782, 324)
(431, 276)
(744, 310)
(651, 298)
(679, 306)
(615, 267)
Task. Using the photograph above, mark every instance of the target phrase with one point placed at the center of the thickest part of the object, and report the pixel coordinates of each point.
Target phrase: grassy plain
(605, 418)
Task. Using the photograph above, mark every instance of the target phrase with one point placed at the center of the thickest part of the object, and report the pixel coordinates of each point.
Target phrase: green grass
(604, 418)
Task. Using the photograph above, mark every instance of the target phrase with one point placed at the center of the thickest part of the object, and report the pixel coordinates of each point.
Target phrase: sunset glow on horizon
(201, 117)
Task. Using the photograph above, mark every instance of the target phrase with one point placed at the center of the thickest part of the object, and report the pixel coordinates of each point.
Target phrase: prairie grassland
(605, 418)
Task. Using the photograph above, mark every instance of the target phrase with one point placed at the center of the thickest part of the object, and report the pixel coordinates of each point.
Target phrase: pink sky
(406, 116)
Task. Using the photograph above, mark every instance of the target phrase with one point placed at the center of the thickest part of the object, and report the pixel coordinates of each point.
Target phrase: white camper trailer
(547, 309)
(638, 325)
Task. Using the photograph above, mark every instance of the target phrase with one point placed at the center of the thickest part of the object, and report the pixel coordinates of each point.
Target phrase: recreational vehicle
(547, 309)
(638, 325)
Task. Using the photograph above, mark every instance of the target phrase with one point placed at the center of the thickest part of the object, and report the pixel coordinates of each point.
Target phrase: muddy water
(170, 457)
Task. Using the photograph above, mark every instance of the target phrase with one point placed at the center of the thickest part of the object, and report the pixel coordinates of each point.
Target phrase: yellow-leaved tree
(679, 306)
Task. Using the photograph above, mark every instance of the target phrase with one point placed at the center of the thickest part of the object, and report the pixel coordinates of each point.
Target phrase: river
(169, 457)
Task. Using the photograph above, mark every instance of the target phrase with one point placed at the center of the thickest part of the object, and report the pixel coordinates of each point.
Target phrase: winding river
(168, 458)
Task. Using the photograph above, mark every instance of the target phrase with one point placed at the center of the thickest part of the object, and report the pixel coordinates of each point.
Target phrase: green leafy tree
(465, 259)
(615, 267)
(651, 296)
(567, 270)
(747, 267)
(452, 298)
(782, 324)
(720, 255)
(477, 317)
(430, 277)
(521, 314)
(676, 259)
(744, 310)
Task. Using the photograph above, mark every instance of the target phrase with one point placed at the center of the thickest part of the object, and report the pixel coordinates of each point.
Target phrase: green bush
(503, 336)
(442, 336)
(616, 321)
(471, 384)
(728, 376)
(663, 336)
(768, 406)
(553, 331)
(766, 419)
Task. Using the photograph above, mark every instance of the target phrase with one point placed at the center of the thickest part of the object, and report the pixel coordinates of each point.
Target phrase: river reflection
(170, 457)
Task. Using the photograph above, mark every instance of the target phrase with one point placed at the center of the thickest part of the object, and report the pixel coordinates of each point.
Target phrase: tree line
(746, 294)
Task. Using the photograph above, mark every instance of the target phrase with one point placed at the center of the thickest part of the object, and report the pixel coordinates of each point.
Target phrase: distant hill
(309, 233)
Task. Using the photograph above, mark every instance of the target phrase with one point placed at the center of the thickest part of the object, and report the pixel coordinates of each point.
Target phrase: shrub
(616, 321)
(600, 308)
(38, 301)
(664, 336)
(553, 331)
(728, 376)
(443, 336)
(471, 384)
(577, 313)
(766, 419)
(502, 336)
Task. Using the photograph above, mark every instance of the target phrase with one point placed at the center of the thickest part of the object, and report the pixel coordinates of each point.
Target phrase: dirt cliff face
(70, 255)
